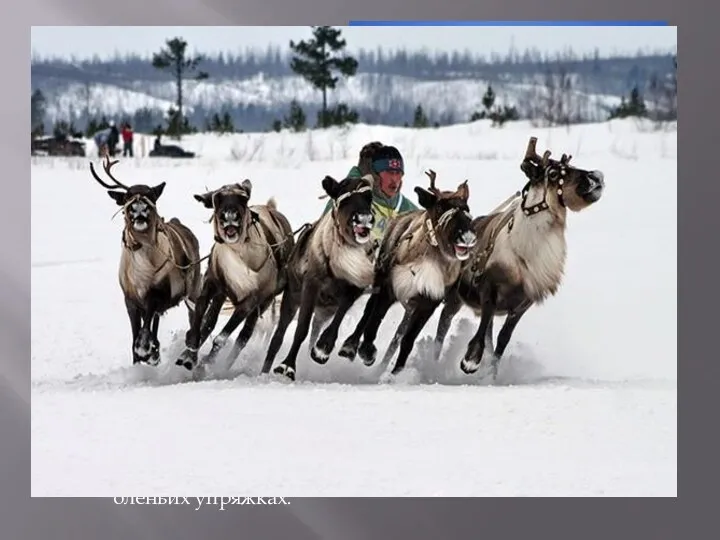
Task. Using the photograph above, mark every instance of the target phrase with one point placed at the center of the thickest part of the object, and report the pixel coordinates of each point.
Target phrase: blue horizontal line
(508, 23)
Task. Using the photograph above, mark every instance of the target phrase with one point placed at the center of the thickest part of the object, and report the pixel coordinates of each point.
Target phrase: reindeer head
(352, 207)
(231, 215)
(556, 185)
(138, 201)
(448, 220)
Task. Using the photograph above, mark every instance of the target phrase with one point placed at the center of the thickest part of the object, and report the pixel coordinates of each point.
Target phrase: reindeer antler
(432, 175)
(565, 159)
(106, 167)
(531, 153)
(545, 158)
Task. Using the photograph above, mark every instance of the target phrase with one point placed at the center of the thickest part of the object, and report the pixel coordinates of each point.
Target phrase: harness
(553, 178)
(444, 218)
(237, 191)
(430, 235)
(335, 206)
(256, 223)
(336, 202)
(131, 244)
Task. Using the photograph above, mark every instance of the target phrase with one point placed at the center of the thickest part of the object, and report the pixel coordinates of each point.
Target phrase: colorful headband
(392, 164)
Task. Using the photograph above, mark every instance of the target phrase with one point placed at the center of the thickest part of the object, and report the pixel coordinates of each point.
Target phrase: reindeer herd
(498, 264)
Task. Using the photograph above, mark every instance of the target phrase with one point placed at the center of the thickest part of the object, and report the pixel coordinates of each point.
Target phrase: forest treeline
(560, 84)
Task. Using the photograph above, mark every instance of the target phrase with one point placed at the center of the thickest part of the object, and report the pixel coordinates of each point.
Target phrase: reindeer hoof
(187, 364)
(397, 370)
(154, 358)
(188, 359)
(285, 371)
(348, 350)
(216, 348)
(319, 354)
(469, 366)
(368, 353)
(144, 346)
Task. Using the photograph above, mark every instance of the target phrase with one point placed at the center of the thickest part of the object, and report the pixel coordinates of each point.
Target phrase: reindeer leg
(212, 314)
(507, 330)
(135, 316)
(288, 308)
(155, 342)
(239, 313)
(399, 333)
(322, 349)
(350, 346)
(219, 342)
(453, 303)
(188, 358)
(147, 346)
(384, 301)
(249, 326)
(318, 322)
(483, 338)
(248, 307)
(307, 305)
(418, 318)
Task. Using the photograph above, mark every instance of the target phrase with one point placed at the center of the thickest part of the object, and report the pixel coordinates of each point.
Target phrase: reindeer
(420, 257)
(520, 258)
(159, 265)
(247, 265)
(331, 267)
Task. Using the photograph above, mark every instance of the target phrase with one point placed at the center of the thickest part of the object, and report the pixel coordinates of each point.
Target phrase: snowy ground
(586, 399)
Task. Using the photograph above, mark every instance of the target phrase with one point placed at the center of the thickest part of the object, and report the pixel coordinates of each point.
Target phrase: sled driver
(385, 163)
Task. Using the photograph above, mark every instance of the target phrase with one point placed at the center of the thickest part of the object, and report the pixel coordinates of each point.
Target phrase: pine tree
(488, 99)
(419, 118)
(315, 62)
(38, 105)
(295, 120)
(175, 59)
(636, 105)
(177, 124)
(226, 124)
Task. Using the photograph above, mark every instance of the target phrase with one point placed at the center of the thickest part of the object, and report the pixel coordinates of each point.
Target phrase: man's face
(390, 182)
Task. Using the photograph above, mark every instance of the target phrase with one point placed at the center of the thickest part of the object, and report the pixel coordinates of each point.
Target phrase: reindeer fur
(247, 268)
(159, 264)
(520, 257)
(420, 257)
(333, 263)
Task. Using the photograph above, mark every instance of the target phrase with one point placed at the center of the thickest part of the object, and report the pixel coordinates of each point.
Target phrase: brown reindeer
(247, 266)
(159, 265)
(520, 256)
(420, 257)
(331, 266)
(364, 166)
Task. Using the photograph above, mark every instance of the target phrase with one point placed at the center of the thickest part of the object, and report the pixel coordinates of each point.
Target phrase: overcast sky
(104, 41)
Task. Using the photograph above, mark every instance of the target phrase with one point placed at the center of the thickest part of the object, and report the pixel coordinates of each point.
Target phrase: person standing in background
(106, 140)
(127, 136)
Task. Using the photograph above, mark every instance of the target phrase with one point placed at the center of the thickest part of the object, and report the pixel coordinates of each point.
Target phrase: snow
(585, 403)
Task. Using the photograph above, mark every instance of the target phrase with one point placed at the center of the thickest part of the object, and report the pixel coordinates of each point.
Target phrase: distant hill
(256, 88)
